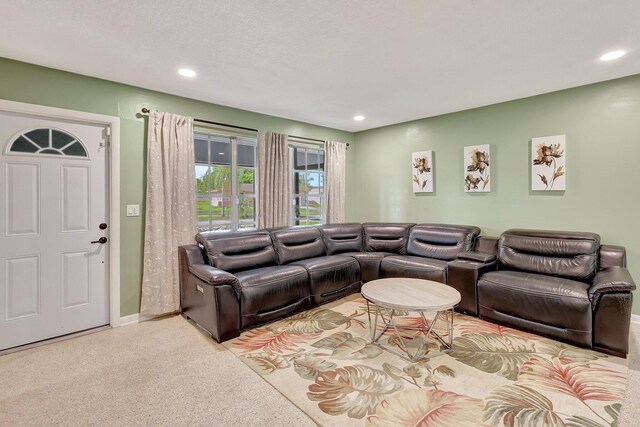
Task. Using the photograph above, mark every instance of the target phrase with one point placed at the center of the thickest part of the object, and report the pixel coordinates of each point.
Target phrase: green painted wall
(38, 85)
(601, 121)
(602, 126)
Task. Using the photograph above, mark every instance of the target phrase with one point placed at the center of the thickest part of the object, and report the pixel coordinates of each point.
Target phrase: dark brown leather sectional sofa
(563, 285)
(233, 281)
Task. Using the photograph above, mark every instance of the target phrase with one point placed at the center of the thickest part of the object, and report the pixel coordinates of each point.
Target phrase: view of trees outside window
(308, 185)
(225, 201)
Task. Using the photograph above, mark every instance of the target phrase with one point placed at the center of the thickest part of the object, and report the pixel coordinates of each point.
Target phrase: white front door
(53, 196)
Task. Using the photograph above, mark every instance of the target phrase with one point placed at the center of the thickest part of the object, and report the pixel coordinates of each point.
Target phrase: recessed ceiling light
(609, 56)
(186, 72)
(358, 118)
(222, 154)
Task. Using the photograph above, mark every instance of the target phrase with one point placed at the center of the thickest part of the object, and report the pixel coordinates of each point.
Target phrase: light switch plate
(133, 210)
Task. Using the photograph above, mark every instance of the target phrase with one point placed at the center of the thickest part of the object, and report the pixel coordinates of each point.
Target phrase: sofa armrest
(208, 296)
(192, 254)
(463, 275)
(612, 279)
(213, 276)
(483, 257)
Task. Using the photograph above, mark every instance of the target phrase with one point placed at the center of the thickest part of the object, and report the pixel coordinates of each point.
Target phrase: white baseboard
(128, 320)
(138, 318)
(635, 318)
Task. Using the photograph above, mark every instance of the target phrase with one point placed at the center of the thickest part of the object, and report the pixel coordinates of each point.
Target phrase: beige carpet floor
(156, 373)
(162, 373)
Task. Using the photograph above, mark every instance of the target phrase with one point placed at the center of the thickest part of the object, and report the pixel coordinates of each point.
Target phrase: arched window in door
(47, 141)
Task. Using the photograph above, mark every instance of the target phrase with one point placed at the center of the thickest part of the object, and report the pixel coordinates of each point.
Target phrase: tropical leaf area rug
(323, 362)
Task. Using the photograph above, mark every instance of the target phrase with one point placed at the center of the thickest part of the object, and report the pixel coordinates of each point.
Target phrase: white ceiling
(324, 61)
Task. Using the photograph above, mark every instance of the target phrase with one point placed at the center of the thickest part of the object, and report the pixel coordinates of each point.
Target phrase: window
(225, 181)
(47, 141)
(308, 184)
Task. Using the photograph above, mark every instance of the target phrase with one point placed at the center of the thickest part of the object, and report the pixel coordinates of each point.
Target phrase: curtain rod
(147, 111)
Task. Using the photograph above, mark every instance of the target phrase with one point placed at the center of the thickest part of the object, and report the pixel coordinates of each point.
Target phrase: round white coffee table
(402, 294)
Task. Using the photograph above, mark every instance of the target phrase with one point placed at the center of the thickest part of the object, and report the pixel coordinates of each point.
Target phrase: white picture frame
(422, 171)
(548, 163)
(477, 168)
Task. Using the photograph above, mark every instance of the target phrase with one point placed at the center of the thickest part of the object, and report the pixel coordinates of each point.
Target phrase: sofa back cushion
(441, 241)
(572, 255)
(293, 244)
(340, 238)
(238, 251)
(386, 237)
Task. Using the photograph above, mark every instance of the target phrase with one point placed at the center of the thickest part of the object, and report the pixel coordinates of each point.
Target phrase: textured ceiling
(324, 61)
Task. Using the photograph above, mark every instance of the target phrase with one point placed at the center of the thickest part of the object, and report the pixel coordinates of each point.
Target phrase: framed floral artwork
(422, 171)
(477, 168)
(548, 163)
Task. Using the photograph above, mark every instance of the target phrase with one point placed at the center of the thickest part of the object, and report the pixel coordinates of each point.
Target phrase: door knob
(101, 240)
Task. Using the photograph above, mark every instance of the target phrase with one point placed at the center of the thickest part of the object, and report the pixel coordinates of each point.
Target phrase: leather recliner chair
(330, 276)
(430, 247)
(564, 285)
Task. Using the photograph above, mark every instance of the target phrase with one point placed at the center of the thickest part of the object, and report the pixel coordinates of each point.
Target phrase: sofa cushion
(238, 251)
(441, 241)
(331, 277)
(339, 238)
(293, 244)
(554, 301)
(571, 255)
(269, 289)
(414, 267)
(386, 237)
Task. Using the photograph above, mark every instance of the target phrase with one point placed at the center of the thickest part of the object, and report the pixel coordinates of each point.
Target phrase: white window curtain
(274, 200)
(170, 218)
(335, 176)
